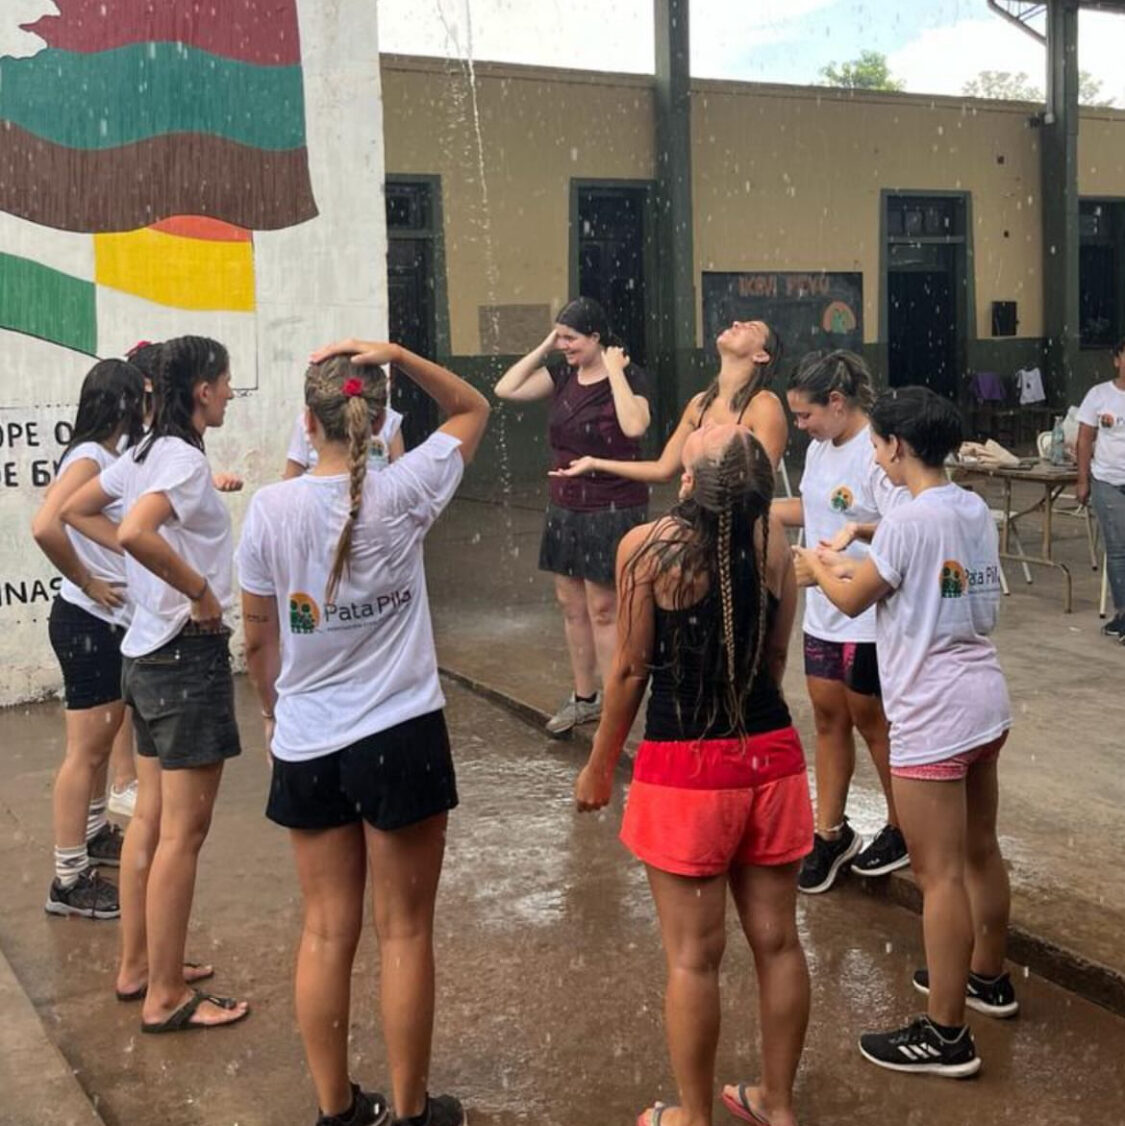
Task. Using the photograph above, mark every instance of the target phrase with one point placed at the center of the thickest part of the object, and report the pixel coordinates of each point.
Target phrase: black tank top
(676, 710)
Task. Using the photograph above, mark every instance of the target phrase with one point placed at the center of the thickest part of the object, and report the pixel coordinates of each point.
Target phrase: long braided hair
(182, 364)
(347, 399)
(714, 536)
(759, 378)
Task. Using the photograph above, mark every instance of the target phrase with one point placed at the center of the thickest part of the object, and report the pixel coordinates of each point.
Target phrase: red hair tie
(138, 346)
(353, 387)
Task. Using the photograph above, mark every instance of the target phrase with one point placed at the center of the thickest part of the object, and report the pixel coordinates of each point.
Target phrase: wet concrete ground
(550, 971)
(1063, 786)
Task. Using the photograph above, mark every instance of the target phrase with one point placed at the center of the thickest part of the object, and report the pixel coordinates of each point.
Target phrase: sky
(934, 46)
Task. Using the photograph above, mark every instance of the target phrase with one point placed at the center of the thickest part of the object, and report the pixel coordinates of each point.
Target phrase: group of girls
(703, 604)
(896, 644)
(362, 771)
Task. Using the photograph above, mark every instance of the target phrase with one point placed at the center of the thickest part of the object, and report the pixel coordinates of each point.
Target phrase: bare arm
(527, 380)
(766, 419)
(852, 595)
(84, 512)
(1087, 436)
(790, 511)
(465, 408)
(783, 580)
(627, 679)
(49, 533)
(292, 469)
(666, 468)
(263, 647)
(631, 409)
(139, 535)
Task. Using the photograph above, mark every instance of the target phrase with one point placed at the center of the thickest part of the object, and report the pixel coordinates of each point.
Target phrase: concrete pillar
(1059, 164)
(674, 301)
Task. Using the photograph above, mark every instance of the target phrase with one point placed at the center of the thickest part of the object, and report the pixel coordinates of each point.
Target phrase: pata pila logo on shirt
(841, 499)
(305, 614)
(957, 580)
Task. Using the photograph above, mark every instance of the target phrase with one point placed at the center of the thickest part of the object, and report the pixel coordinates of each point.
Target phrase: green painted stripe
(112, 98)
(42, 302)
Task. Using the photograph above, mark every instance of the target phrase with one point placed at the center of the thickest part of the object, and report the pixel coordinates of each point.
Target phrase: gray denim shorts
(182, 696)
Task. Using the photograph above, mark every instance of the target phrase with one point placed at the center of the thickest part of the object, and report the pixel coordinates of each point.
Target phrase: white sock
(70, 863)
(96, 819)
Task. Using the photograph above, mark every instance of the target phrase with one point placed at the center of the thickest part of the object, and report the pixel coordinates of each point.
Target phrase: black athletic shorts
(89, 654)
(391, 780)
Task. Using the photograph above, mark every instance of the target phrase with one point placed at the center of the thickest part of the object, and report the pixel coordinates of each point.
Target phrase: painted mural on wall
(174, 166)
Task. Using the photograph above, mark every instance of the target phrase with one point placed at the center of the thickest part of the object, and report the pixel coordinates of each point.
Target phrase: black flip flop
(180, 1020)
(140, 994)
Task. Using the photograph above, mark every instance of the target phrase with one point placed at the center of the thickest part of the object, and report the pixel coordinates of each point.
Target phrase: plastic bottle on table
(1058, 443)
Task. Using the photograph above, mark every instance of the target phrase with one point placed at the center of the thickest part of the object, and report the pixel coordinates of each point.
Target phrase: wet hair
(929, 423)
(587, 317)
(713, 533)
(820, 373)
(1119, 348)
(111, 399)
(759, 377)
(346, 418)
(147, 356)
(184, 363)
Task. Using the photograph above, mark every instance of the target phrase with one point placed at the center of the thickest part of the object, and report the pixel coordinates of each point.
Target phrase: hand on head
(361, 351)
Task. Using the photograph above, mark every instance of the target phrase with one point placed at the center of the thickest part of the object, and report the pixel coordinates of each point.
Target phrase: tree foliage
(1017, 87)
(868, 72)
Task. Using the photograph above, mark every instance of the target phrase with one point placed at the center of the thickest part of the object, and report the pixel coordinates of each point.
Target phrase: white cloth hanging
(1030, 384)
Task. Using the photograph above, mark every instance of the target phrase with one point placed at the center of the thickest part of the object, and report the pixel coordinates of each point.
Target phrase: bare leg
(835, 752)
(868, 717)
(332, 869)
(405, 869)
(986, 878)
(137, 851)
(123, 769)
(601, 606)
(766, 899)
(89, 736)
(571, 594)
(933, 822)
(692, 915)
(187, 799)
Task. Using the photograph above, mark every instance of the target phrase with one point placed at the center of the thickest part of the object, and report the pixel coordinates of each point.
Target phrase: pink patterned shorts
(951, 769)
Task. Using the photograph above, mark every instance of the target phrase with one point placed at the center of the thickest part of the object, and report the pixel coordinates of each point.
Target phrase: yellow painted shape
(185, 273)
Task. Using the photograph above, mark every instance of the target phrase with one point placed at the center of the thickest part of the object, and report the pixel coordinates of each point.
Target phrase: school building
(912, 228)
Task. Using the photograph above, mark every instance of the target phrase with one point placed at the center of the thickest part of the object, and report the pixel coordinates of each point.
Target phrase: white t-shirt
(99, 561)
(840, 485)
(379, 455)
(199, 532)
(1104, 409)
(943, 689)
(366, 662)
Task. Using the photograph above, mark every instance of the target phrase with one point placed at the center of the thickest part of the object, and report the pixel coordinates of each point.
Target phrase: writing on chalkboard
(808, 310)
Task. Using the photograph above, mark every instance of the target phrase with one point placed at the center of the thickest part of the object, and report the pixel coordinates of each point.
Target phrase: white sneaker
(124, 801)
(574, 712)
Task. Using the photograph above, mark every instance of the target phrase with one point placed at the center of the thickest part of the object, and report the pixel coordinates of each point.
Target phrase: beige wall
(785, 177)
(539, 130)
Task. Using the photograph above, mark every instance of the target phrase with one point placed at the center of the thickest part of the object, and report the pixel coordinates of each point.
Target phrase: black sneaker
(919, 1047)
(444, 1110)
(886, 853)
(91, 897)
(995, 997)
(1115, 628)
(104, 847)
(821, 867)
(369, 1108)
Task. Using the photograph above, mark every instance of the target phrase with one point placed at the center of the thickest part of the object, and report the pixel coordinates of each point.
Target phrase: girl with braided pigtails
(719, 796)
(340, 648)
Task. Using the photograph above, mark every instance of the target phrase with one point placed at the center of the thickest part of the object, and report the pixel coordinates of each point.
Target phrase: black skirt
(583, 545)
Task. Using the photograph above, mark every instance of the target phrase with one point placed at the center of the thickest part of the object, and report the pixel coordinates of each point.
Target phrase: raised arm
(465, 408)
(627, 679)
(527, 380)
(631, 409)
(49, 532)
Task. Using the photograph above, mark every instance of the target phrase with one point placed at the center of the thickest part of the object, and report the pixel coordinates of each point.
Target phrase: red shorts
(951, 769)
(699, 808)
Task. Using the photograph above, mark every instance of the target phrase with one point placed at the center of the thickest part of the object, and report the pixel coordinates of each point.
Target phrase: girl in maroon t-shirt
(599, 408)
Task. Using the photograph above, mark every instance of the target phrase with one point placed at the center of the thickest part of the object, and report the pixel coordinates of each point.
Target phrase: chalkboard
(808, 310)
